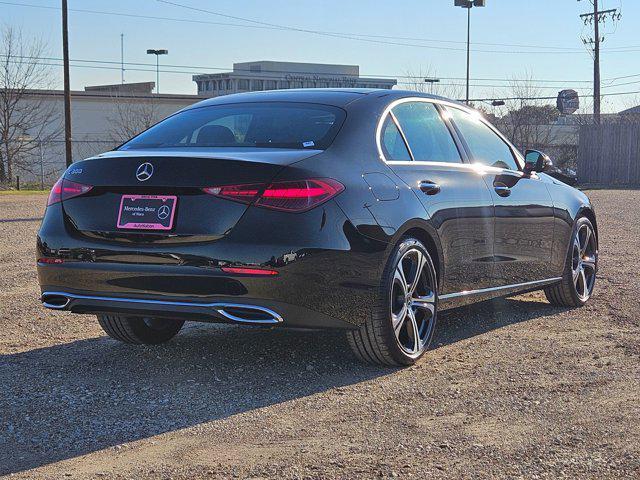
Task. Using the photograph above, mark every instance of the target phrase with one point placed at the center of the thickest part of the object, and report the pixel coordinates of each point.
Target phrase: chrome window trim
(446, 104)
(466, 293)
(387, 111)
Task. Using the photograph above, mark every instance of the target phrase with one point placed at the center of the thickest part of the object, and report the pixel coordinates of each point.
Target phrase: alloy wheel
(413, 302)
(584, 261)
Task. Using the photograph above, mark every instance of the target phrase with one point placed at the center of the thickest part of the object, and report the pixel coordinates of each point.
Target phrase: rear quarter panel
(568, 203)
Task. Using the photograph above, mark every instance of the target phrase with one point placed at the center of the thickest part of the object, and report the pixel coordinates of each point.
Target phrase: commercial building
(270, 75)
(102, 117)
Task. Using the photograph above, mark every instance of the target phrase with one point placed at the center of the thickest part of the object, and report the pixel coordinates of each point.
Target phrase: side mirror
(535, 161)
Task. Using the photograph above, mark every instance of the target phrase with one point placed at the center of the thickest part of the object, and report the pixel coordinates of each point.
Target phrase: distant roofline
(115, 94)
(298, 63)
(305, 70)
(275, 76)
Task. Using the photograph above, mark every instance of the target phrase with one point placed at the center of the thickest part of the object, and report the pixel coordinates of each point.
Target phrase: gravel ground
(512, 388)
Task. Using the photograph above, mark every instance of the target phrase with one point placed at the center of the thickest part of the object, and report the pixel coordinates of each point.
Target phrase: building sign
(568, 102)
(319, 78)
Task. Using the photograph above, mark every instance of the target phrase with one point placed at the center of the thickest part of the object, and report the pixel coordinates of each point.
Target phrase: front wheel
(403, 320)
(139, 330)
(579, 276)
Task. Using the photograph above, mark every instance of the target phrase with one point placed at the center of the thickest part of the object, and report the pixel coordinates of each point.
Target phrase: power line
(635, 92)
(182, 72)
(198, 70)
(338, 35)
(347, 36)
(613, 94)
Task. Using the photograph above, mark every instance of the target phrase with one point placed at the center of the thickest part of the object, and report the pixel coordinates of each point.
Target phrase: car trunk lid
(125, 181)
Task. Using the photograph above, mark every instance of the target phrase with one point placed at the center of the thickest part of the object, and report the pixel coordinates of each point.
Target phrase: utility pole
(596, 17)
(67, 90)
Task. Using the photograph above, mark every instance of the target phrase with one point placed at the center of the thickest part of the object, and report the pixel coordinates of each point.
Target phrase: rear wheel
(579, 276)
(139, 330)
(404, 317)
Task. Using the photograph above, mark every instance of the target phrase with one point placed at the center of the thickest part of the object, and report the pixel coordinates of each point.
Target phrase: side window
(486, 147)
(393, 145)
(428, 136)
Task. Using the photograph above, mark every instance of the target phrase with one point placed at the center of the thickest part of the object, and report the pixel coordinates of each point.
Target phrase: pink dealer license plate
(147, 212)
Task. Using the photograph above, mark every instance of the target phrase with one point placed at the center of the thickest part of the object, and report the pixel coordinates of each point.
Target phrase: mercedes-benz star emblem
(144, 171)
(163, 212)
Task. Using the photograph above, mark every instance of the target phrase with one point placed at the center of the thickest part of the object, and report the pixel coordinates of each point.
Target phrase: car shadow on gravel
(68, 400)
(465, 322)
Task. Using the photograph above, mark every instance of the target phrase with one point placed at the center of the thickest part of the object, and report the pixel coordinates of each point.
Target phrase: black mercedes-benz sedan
(362, 210)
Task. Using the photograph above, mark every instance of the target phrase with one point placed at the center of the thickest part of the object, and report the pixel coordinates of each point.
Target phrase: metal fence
(609, 155)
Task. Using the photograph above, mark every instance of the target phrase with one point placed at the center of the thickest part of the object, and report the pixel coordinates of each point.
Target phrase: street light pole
(431, 81)
(468, 49)
(157, 53)
(469, 4)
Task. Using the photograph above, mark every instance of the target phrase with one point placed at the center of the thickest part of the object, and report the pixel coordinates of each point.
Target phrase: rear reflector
(288, 196)
(66, 189)
(248, 271)
(50, 261)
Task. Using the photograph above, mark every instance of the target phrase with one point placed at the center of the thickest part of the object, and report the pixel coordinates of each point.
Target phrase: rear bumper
(327, 273)
(250, 311)
(298, 299)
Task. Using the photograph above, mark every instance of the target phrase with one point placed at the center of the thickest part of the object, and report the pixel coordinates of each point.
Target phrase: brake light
(66, 189)
(288, 196)
(248, 271)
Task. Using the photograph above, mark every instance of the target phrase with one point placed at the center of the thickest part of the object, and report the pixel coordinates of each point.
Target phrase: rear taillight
(288, 196)
(66, 189)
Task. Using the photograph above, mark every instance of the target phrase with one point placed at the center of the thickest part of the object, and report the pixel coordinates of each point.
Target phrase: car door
(524, 214)
(421, 148)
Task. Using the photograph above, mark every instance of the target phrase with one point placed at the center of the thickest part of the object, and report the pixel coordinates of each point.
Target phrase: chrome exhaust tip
(55, 301)
(249, 314)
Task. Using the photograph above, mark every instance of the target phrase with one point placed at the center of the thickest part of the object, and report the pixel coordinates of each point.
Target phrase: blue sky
(549, 30)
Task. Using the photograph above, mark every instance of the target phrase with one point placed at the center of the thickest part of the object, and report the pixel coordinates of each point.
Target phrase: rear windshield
(261, 125)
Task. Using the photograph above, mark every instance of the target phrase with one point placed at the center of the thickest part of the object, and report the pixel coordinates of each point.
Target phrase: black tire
(376, 341)
(139, 330)
(565, 293)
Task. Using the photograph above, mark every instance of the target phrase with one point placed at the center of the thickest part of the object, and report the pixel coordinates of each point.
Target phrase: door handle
(430, 188)
(502, 190)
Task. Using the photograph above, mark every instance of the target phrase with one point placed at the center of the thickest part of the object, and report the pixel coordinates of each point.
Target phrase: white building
(102, 117)
(270, 75)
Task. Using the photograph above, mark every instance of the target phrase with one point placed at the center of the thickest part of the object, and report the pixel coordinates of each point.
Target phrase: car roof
(339, 97)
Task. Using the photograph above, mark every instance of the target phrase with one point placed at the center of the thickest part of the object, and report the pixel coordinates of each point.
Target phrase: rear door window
(485, 145)
(393, 145)
(428, 136)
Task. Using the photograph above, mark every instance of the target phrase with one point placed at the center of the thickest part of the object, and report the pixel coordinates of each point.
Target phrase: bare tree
(631, 110)
(528, 121)
(28, 122)
(132, 116)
